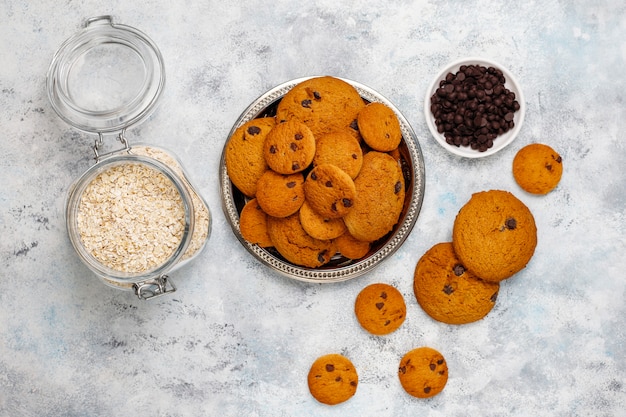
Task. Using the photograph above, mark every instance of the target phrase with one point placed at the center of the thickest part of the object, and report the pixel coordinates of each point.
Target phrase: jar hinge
(154, 288)
(98, 144)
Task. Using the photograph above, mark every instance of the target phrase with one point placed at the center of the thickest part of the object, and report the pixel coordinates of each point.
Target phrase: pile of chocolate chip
(473, 107)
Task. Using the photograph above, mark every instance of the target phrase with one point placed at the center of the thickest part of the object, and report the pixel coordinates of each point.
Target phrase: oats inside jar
(131, 218)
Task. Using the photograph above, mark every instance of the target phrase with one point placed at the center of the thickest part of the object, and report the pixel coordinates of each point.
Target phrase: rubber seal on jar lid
(106, 77)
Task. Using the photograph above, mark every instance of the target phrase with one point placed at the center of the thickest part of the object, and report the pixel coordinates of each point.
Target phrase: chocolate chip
(291, 184)
(426, 390)
(329, 184)
(397, 187)
(548, 166)
(448, 289)
(558, 159)
(306, 103)
(432, 366)
(254, 130)
(511, 223)
(298, 136)
(273, 149)
(313, 176)
(383, 295)
(387, 323)
(402, 369)
(333, 206)
(443, 371)
(330, 367)
(317, 95)
(347, 202)
(295, 166)
(293, 146)
(380, 305)
(338, 379)
(459, 270)
(440, 361)
(353, 383)
(354, 156)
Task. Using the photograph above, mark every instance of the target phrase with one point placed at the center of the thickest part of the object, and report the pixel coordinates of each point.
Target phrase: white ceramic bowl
(502, 140)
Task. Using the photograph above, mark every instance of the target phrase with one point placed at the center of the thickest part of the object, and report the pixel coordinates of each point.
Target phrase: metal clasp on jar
(100, 141)
(154, 288)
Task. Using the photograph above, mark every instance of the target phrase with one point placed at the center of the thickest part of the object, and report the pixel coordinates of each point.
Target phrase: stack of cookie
(322, 176)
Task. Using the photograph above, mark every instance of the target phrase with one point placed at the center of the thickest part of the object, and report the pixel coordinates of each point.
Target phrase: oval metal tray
(339, 268)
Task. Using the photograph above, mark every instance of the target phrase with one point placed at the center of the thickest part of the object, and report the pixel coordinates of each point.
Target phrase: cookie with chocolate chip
(332, 379)
(330, 191)
(340, 148)
(295, 244)
(324, 104)
(447, 291)
(318, 226)
(537, 168)
(379, 127)
(380, 308)
(423, 372)
(289, 147)
(253, 224)
(280, 195)
(494, 235)
(380, 197)
(243, 155)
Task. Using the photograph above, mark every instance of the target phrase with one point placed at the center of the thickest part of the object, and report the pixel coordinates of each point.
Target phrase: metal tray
(339, 268)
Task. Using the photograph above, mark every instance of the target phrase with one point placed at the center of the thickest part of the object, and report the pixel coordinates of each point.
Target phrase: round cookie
(243, 155)
(289, 147)
(379, 126)
(324, 104)
(537, 168)
(380, 308)
(295, 245)
(330, 191)
(494, 235)
(380, 197)
(253, 224)
(449, 293)
(318, 226)
(350, 247)
(340, 148)
(280, 195)
(423, 372)
(332, 379)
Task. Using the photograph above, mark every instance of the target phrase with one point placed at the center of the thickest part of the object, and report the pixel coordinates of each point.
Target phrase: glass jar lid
(106, 77)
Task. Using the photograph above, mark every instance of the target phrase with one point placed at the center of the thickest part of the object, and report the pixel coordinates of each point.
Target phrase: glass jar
(134, 216)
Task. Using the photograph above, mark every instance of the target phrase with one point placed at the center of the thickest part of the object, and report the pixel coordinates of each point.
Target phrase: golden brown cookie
(330, 191)
(380, 308)
(253, 224)
(380, 197)
(244, 158)
(494, 235)
(537, 168)
(320, 227)
(295, 245)
(289, 147)
(350, 247)
(379, 126)
(447, 291)
(324, 104)
(280, 195)
(332, 379)
(423, 372)
(340, 148)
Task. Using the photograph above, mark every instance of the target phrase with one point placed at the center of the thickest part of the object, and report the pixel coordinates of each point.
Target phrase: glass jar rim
(101, 39)
(73, 200)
